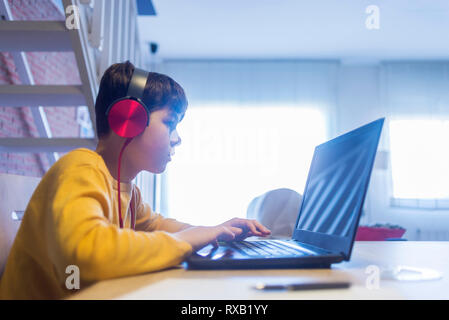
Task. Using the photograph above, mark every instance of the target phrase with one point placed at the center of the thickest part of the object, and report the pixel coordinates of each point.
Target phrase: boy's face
(152, 150)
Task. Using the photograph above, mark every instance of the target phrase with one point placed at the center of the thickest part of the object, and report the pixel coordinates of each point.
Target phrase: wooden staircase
(107, 34)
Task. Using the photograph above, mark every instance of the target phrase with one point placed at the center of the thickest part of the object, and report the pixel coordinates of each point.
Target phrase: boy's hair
(160, 91)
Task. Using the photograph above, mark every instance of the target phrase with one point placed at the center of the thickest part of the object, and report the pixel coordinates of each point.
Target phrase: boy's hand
(199, 237)
(244, 228)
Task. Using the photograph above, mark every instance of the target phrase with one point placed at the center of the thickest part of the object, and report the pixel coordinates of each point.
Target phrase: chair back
(277, 210)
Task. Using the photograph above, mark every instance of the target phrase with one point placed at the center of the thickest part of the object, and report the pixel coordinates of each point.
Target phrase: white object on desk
(405, 273)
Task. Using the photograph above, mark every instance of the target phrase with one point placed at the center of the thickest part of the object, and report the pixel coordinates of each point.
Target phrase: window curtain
(146, 181)
(252, 83)
(308, 84)
(416, 89)
(413, 91)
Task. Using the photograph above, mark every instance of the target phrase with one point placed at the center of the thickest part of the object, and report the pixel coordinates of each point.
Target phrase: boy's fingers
(225, 234)
(252, 227)
(261, 227)
(236, 231)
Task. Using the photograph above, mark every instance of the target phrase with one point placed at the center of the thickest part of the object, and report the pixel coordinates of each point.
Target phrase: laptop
(327, 221)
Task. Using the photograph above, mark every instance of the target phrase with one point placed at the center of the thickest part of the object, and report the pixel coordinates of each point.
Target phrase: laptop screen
(336, 186)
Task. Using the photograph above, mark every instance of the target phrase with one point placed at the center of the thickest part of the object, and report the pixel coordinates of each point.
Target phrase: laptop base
(200, 263)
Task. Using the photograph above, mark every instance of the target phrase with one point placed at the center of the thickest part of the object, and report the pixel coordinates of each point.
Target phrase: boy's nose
(176, 143)
(175, 140)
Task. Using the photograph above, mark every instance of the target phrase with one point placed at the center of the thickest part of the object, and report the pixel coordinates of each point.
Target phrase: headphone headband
(137, 83)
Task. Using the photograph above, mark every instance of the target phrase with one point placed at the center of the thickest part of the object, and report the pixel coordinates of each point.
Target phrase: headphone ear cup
(128, 118)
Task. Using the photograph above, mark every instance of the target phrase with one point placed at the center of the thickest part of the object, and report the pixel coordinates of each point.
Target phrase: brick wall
(47, 68)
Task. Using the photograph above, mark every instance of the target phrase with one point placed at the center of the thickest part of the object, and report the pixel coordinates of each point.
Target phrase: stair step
(48, 96)
(34, 36)
(37, 145)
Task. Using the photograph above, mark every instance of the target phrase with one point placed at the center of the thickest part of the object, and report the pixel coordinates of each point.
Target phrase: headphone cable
(128, 140)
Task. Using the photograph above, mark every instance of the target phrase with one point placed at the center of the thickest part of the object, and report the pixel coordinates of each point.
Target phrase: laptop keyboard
(267, 248)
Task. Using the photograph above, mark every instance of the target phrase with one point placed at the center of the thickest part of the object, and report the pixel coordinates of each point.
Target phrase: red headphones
(128, 117)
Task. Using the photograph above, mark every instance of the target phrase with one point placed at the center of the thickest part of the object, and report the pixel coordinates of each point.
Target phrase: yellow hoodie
(72, 219)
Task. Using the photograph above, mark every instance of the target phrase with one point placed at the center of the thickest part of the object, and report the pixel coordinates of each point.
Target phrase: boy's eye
(171, 124)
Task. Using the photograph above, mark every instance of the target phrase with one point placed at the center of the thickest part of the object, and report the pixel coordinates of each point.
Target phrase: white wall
(359, 101)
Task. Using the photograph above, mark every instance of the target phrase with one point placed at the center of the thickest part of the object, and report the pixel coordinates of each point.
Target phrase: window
(229, 155)
(420, 163)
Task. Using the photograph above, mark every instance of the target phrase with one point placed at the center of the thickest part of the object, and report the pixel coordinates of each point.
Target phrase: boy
(72, 217)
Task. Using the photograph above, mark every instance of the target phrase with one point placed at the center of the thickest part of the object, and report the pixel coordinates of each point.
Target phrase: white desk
(178, 283)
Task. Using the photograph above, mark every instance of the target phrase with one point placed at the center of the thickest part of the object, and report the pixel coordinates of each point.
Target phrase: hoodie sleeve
(82, 235)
